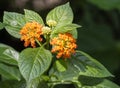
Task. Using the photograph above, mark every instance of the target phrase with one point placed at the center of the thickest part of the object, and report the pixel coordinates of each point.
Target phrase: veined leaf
(60, 65)
(13, 23)
(97, 83)
(37, 83)
(8, 54)
(67, 28)
(9, 72)
(80, 64)
(32, 16)
(91, 67)
(12, 54)
(33, 62)
(63, 15)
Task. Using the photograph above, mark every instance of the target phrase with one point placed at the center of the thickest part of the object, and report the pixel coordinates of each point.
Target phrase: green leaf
(37, 83)
(67, 28)
(89, 81)
(107, 84)
(1, 26)
(15, 84)
(32, 16)
(80, 64)
(63, 15)
(60, 65)
(90, 66)
(12, 54)
(8, 55)
(74, 33)
(103, 4)
(96, 83)
(9, 72)
(33, 62)
(13, 23)
(33, 83)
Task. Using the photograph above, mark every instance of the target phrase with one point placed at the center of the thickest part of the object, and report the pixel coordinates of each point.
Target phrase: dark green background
(99, 35)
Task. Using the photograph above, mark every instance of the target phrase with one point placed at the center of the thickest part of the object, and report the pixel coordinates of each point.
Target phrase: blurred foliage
(106, 4)
(100, 32)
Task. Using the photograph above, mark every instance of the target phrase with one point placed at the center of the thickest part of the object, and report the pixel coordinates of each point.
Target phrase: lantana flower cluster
(63, 45)
(30, 32)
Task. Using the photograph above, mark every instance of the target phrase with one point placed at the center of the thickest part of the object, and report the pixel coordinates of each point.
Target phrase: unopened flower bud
(51, 23)
(46, 30)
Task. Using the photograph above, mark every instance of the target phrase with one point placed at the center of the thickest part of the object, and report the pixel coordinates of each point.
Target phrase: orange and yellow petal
(30, 32)
(64, 45)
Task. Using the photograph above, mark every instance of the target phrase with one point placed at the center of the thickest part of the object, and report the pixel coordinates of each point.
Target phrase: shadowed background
(100, 32)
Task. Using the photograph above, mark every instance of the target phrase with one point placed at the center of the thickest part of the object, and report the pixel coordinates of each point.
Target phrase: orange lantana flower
(64, 45)
(30, 32)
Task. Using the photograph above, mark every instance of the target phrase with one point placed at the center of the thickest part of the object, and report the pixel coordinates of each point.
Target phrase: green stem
(38, 42)
(47, 41)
